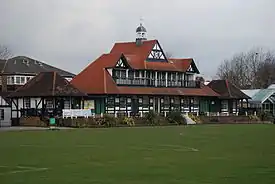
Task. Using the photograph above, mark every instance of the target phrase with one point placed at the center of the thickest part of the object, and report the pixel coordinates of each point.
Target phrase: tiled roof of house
(137, 55)
(95, 79)
(47, 84)
(227, 90)
(26, 65)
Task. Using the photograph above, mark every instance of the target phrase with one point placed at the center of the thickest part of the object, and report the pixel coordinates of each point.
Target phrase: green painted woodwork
(100, 105)
(204, 105)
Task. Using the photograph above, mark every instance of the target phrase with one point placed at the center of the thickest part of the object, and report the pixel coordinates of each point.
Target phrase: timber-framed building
(136, 77)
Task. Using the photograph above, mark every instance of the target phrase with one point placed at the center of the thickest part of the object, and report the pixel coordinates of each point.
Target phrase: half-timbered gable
(157, 54)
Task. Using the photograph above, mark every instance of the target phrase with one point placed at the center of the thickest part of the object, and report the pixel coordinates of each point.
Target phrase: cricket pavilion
(136, 77)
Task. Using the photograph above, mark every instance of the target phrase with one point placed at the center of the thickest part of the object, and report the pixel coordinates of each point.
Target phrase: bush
(109, 120)
(195, 118)
(254, 118)
(176, 118)
(151, 117)
(128, 121)
(265, 116)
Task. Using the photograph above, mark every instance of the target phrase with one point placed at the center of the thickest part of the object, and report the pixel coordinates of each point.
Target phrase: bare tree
(5, 53)
(249, 70)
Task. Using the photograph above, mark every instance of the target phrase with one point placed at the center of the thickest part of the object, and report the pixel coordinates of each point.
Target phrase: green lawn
(185, 155)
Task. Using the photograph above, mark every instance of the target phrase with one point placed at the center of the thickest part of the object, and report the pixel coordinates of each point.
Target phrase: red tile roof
(95, 79)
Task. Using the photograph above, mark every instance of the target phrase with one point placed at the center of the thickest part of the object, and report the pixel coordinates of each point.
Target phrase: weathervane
(141, 20)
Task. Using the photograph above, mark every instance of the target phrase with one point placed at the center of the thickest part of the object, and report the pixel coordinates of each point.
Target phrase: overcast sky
(72, 33)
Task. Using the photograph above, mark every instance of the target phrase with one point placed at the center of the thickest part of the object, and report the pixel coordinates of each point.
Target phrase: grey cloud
(72, 33)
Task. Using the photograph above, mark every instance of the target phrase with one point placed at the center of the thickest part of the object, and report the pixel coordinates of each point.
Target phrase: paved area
(17, 128)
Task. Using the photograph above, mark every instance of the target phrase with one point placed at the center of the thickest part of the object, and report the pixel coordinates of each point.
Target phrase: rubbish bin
(52, 123)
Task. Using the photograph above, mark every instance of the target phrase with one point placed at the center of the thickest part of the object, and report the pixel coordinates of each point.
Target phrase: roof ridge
(135, 41)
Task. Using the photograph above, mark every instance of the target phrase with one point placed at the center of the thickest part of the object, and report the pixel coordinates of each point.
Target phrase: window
(17, 80)
(136, 74)
(122, 101)
(10, 80)
(2, 114)
(110, 102)
(224, 105)
(131, 74)
(117, 100)
(123, 74)
(145, 100)
(129, 100)
(28, 78)
(49, 104)
(67, 104)
(179, 76)
(166, 100)
(27, 103)
(22, 80)
(142, 74)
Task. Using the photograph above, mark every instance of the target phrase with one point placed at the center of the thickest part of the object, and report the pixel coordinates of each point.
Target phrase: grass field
(185, 155)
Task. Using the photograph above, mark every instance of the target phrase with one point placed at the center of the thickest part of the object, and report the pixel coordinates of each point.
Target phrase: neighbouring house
(17, 71)
(231, 99)
(136, 77)
(44, 95)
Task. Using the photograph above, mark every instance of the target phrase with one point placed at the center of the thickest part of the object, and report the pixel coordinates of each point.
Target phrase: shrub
(254, 118)
(195, 118)
(176, 117)
(151, 117)
(128, 121)
(265, 116)
(109, 120)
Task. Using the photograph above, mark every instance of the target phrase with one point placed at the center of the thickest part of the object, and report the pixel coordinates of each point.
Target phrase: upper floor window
(136, 74)
(119, 74)
(18, 80)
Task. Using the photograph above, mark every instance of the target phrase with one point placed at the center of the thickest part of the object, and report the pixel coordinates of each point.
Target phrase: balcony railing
(156, 83)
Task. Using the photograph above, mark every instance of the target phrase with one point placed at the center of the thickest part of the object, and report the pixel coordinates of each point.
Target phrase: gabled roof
(227, 90)
(137, 57)
(95, 79)
(47, 84)
(26, 65)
